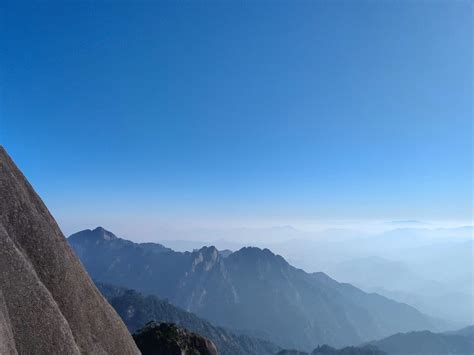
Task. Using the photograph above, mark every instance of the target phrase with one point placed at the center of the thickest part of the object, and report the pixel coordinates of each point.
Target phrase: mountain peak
(254, 255)
(104, 233)
(99, 233)
(257, 253)
(207, 257)
(209, 250)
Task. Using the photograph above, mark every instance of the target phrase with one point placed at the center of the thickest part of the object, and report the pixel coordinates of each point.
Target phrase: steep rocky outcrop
(168, 339)
(48, 303)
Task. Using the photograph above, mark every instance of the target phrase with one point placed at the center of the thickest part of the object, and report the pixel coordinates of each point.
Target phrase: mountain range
(451, 298)
(49, 304)
(252, 291)
(428, 268)
(328, 350)
(460, 342)
(137, 309)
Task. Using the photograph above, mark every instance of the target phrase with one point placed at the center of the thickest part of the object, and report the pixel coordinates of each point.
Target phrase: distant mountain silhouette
(137, 310)
(466, 332)
(350, 350)
(168, 339)
(291, 352)
(459, 342)
(252, 290)
(98, 236)
(450, 298)
(328, 350)
(48, 303)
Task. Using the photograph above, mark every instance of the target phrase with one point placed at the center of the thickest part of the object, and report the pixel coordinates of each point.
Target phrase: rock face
(168, 339)
(48, 303)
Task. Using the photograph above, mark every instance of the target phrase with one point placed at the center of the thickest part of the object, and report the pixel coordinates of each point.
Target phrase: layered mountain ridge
(251, 290)
(137, 309)
(460, 342)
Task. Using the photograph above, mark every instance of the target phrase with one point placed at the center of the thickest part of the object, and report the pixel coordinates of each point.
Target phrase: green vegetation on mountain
(168, 339)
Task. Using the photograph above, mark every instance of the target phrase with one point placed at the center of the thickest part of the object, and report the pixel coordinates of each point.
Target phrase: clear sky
(240, 112)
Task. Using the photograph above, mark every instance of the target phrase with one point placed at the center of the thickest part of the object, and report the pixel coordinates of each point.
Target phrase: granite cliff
(48, 303)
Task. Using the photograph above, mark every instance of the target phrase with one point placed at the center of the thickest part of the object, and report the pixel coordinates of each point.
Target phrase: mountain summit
(48, 303)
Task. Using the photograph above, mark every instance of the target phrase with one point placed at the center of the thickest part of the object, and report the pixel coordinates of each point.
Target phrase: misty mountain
(466, 332)
(48, 303)
(252, 290)
(137, 309)
(350, 350)
(459, 342)
(226, 238)
(373, 271)
(328, 350)
(449, 298)
(115, 245)
(430, 269)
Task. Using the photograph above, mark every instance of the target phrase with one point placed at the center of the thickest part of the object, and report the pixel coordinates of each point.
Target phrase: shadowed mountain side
(459, 342)
(137, 309)
(328, 350)
(48, 303)
(449, 298)
(466, 332)
(252, 290)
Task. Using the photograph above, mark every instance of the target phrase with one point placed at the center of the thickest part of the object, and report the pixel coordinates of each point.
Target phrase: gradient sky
(235, 112)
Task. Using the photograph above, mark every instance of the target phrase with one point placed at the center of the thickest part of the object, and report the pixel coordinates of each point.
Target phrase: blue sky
(239, 111)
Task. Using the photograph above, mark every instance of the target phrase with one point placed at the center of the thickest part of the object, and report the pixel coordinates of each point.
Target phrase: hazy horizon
(134, 230)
